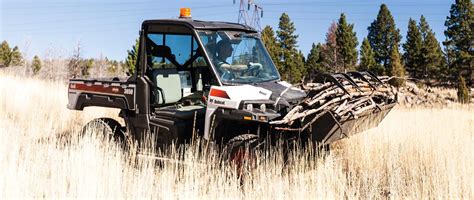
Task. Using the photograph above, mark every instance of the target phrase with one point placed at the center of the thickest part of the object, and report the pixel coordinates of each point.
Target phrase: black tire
(240, 150)
(106, 129)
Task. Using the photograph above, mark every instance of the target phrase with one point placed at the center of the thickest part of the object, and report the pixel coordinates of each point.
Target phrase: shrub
(463, 92)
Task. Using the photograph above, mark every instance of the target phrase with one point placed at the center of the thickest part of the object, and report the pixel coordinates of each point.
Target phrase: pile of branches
(344, 96)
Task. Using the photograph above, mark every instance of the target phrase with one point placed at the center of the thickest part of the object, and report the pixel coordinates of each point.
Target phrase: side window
(173, 50)
(180, 46)
(170, 55)
(156, 38)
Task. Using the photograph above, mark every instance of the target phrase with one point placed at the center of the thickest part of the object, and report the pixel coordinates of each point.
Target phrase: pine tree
(367, 58)
(16, 57)
(36, 64)
(132, 55)
(463, 92)
(330, 57)
(9, 57)
(412, 48)
(300, 65)
(431, 54)
(291, 66)
(346, 40)
(4, 54)
(447, 71)
(383, 37)
(396, 68)
(459, 39)
(313, 63)
(270, 42)
(286, 33)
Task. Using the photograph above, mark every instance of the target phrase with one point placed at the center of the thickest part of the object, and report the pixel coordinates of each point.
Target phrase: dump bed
(112, 93)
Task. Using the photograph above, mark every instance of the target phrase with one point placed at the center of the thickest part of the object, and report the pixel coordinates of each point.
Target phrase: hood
(283, 91)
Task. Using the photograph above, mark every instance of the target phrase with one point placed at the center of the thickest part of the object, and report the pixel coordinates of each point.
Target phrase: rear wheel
(106, 129)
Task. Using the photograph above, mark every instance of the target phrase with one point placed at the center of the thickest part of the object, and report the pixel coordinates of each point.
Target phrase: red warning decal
(219, 93)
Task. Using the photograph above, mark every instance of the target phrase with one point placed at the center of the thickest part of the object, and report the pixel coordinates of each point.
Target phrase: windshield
(238, 58)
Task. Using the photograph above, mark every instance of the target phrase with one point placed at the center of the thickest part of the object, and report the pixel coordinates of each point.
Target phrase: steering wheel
(253, 67)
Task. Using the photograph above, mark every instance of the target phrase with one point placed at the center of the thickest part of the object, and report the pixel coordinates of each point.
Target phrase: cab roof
(200, 25)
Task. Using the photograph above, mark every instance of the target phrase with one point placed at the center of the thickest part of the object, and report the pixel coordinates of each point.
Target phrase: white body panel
(231, 97)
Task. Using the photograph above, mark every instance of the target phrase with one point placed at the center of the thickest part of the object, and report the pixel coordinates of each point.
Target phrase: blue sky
(109, 28)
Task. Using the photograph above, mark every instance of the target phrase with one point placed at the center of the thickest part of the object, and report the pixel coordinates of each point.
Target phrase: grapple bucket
(327, 129)
(339, 105)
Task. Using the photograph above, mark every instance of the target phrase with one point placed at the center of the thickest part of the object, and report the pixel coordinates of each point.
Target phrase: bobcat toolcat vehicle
(187, 84)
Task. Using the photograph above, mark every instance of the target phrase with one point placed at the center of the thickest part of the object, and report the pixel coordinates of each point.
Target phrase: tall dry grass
(415, 153)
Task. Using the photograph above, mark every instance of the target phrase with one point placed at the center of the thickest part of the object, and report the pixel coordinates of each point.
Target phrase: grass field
(416, 153)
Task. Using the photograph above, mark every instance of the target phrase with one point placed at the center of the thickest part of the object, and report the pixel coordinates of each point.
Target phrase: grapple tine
(323, 77)
(372, 75)
(349, 79)
(362, 77)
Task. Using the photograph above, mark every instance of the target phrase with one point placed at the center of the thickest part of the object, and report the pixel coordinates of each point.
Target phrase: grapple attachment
(339, 105)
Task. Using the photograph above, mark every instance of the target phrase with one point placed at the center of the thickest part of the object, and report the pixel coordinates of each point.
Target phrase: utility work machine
(216, 80)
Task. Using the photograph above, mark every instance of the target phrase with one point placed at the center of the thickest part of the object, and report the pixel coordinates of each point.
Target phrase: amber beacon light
(185, 13)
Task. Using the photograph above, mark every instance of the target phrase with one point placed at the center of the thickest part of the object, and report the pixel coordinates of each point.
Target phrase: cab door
(175, 66)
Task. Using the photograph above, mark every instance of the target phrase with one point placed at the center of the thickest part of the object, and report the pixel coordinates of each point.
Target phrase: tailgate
(113, 94)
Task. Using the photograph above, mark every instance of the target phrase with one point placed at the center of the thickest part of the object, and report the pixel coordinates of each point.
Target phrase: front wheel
(240, 151)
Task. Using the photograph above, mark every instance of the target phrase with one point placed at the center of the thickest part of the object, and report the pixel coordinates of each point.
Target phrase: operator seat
(167, 79)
